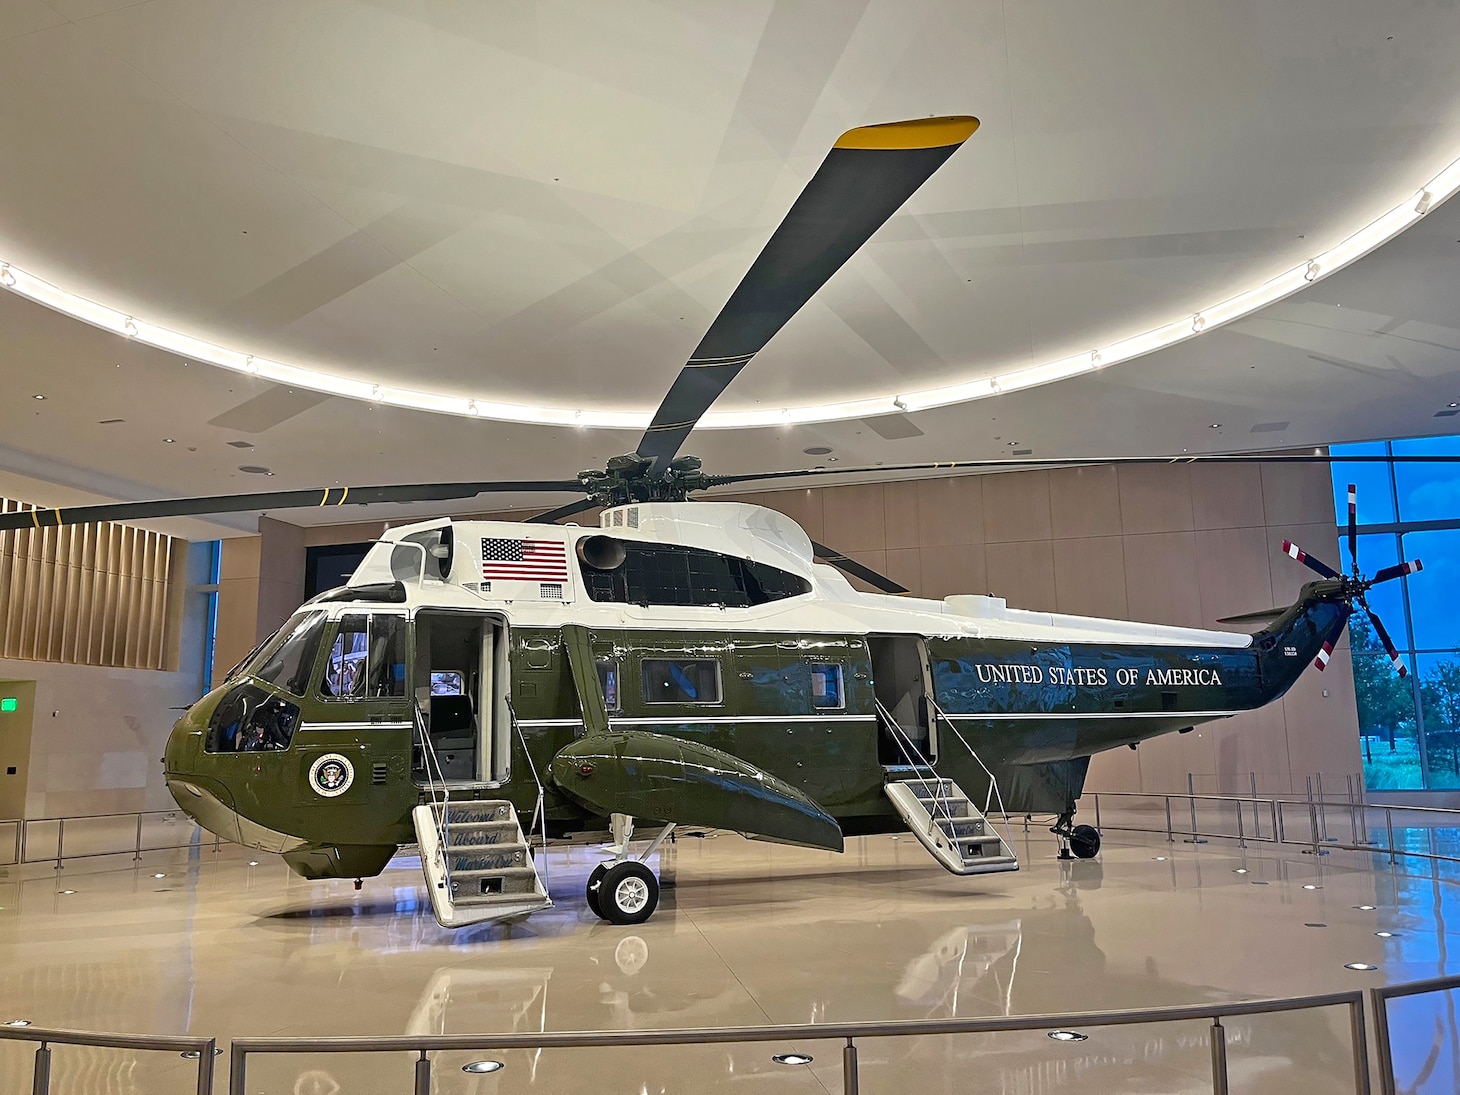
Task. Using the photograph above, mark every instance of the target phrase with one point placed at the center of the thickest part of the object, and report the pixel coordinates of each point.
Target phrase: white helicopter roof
(553, 592)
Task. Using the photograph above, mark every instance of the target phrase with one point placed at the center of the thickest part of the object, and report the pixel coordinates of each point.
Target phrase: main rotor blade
(271, 500)
(553, 516)
(1294, 551)
(1253, 617)
(1388, 643)
(1398, 570)
(1077, 462)
(1353, 526)
(855, 569)
(866, 177)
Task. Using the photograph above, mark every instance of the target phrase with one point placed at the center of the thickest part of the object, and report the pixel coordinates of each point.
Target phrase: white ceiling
(550, 202)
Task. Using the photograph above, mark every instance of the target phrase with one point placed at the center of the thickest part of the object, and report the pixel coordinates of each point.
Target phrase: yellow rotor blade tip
(914, 133)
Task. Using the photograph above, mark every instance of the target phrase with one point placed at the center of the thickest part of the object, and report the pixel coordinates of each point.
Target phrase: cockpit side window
(288, 659)
(251, 720)
(367, 659)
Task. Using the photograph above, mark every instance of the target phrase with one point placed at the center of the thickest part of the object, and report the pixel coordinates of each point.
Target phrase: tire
(1085, 841)
(628, 893)
(595, 880)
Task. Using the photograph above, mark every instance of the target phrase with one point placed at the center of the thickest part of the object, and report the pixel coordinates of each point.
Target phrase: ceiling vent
(1023, 452)
(1448, 413)
(254, 469)
(241, 444)
(1270, 427)
(892, 427)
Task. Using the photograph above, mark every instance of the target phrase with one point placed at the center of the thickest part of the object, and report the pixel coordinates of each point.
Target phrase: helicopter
(481, 688)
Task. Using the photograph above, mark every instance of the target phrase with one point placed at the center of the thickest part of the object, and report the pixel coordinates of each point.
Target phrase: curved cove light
(1190, 325)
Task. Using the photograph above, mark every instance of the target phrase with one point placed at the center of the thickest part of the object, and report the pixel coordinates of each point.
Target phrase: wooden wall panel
(84, 594)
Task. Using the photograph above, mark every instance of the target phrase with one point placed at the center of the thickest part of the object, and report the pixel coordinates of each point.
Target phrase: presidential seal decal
(331, 775)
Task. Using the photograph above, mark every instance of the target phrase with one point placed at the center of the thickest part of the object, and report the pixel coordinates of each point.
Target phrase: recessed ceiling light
(1216, 425)
(38, 397)
(1358, 966)
(792, 1058)
(169, 441)
(1366, 908)
(1455, 404)
(477, 1067)
(1385, 935)
(1013, 444)
(1067, 1036)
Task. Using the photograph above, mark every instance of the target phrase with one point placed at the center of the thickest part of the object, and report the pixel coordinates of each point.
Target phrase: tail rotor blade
(1353, 526)
(1399, 570)
(1384, 638)
(1294, 551)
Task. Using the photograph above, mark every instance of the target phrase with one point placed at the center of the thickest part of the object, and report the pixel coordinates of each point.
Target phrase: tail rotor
(1355, 586)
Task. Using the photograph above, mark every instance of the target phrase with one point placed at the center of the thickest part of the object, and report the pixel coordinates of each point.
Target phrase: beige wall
(260, 584)
(1173, 544)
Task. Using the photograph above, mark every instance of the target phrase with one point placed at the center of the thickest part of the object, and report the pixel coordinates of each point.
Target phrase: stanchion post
(137, 852)
(1191, 797)
(1097, 813)
(1219, 1058)
(1241, 839)
(850, 1081)
(1389, 829)
(423, 1075)
(40, 1083)
(1170, 836)
(60, 842)
(1359, 1037)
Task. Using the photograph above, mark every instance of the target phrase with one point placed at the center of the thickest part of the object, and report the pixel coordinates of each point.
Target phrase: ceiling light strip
(1353, 247)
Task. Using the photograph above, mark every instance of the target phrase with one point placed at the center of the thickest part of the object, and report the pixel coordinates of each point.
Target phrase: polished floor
(229, 943)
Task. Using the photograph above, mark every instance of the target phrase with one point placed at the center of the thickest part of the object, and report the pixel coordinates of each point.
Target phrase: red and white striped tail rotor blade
(1399, 570)
(1294, 551)
(1324, 653)
(1384, 638)
(1353, 526)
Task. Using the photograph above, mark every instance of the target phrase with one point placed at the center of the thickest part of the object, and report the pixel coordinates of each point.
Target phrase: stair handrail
(913, 755)
(440, 808)
(993, 791)
(539, 811)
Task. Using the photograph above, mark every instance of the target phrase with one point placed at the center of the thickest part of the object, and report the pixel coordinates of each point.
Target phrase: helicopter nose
(194, 784)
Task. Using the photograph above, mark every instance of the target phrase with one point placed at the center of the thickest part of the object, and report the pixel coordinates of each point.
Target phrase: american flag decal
(524, 560)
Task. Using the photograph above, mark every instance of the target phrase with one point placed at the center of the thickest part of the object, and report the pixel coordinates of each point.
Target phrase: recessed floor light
(17, 1022)
(1366, 908)
(792, 1058)
(159, 876)
(1311, 886)
(1159, 858)
(1385, 935)
(253, 862)
(194, 1054)
(477, 1067)
(1361, 966)
(68, 891)
(1067, 1036)
(1240, 870)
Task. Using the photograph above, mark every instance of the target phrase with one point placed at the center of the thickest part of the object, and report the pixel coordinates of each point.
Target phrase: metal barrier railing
(422, 1045)
(1278, 811)
(1380, 998)
(22, 843)
(204, 1048)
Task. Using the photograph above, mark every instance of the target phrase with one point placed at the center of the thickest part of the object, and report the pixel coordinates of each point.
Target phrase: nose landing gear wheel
(628, 893)
(1085, 841)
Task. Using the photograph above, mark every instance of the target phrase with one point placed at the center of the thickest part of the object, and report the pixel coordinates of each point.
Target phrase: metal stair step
(961, 826)
(511, 857)
(945, 807)
(478, 811)
(483, 838)
(529, 898)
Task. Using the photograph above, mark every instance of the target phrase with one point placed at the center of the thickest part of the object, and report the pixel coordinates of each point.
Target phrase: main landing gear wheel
(628, 893)
(1085, 841)
(595, 880)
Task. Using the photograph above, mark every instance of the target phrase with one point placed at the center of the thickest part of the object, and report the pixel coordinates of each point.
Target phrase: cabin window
(251, 720)
(666, 574)
(367, 660)
(681, 680)
(608, 685)
(447, 682)
(826, 686)
(287, 660)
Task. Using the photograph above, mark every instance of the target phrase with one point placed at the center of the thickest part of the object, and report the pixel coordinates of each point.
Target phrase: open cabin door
(902, 682)
(461, 690)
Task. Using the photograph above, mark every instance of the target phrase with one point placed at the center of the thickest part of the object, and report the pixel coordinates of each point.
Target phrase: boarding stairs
(474, 854)
(945, 821)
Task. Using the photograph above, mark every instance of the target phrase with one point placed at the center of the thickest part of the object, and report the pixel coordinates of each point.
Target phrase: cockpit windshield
(287, 658)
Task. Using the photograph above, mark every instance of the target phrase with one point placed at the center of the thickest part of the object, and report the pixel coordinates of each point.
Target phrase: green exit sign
(9, 703)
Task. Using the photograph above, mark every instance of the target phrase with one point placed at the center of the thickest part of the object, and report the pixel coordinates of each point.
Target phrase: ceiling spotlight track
(715, 369)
